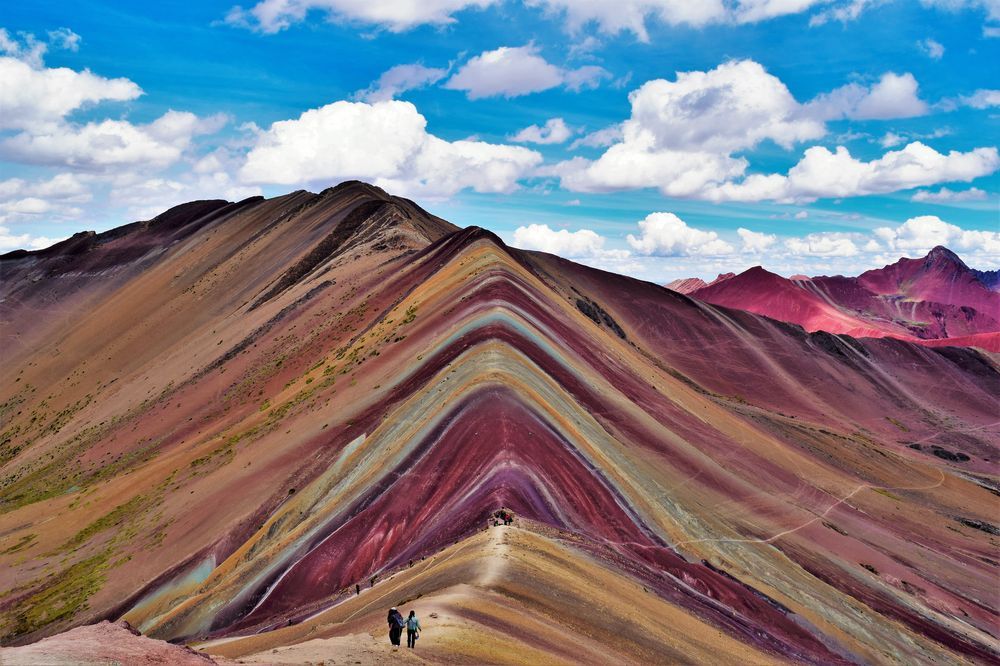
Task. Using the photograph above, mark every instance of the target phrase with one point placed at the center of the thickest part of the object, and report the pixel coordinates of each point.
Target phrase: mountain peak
(941, 254)
(358, 187)
(891, 277)
(754, 273)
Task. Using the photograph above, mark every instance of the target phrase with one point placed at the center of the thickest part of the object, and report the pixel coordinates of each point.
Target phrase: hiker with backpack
(396, 624)
(412, 630)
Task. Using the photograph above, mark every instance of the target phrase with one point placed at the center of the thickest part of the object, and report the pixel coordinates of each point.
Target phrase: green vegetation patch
(20, 435)
(886, 493)
(61, 475)
(896, 423)
(58, 598)
(116, 518)
(25, 541)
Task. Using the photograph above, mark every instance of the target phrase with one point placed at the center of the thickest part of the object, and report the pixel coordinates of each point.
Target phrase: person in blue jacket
(412, 630)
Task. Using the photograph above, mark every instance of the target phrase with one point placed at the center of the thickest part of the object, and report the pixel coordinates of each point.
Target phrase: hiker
(412, 630)
(396, 624)
(374, 578)
(357, 589)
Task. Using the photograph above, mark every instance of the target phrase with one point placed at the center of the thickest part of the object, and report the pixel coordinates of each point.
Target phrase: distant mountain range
(933, 300)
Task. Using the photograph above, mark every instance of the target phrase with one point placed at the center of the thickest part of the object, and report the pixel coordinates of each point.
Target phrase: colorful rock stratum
(216, 423)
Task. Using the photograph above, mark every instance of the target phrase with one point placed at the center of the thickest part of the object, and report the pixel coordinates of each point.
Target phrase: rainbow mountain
(218, 422)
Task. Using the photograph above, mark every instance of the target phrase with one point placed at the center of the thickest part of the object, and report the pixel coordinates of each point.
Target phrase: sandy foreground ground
(104, 643)
(107, 644)
(353, 649)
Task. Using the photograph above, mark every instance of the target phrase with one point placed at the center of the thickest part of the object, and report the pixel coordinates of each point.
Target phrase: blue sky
(660, 138)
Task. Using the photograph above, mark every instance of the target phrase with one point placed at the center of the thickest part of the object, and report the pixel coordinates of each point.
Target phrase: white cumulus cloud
(601, 138)
(666, 235)
(32, 97)
(756, 241)
(386, 142)
(918, 235)
(110, 144)
(512, 71)
(28, 48)
(399, 79)
(752, 11)
(822, 173)
(37, 127)
(271, 16)
(933, 48)
(607, 16)
(37, 104)
(580, 243)
(823, 244)
(982, 99)
(891, 140)
(66, 186)
(849, 10)
(685, 136)
(10, 240)
(893, 96)
(56, 197)
(634, 165)
(555, 130)
(144, 197)
(736, 105)
(682, 133)
(944, 195)
(617, 16)
(587, 77)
